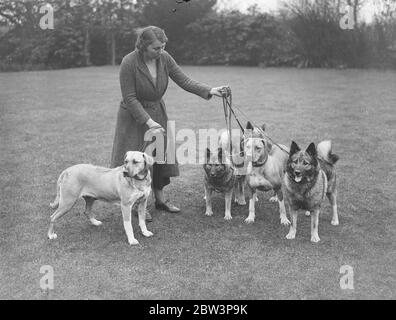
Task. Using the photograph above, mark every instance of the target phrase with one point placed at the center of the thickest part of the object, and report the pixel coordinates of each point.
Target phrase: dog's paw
(315, 238)
(274, 199)
(285, 221)
(95, 222)
(133, 242)
(240, 202)
(148, 234)
(335, 222)
(307, 213)
(52, 236)
(291, 235)
(249, 220)
(227, 217)
(209, 213)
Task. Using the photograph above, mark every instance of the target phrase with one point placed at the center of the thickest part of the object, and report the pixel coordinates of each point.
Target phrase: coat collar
(143, 68)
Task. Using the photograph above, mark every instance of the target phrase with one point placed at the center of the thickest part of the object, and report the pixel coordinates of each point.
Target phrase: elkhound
(310, 175)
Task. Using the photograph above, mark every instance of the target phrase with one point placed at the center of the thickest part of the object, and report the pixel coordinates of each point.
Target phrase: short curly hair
(148, 35)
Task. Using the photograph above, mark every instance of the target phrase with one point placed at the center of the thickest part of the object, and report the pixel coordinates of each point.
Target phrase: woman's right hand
(155, 127)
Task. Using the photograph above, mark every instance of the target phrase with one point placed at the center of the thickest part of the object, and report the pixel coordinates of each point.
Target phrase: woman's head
(151, 40)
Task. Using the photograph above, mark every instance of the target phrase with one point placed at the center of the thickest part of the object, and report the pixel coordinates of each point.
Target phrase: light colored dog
(128, 184)
(265, 170)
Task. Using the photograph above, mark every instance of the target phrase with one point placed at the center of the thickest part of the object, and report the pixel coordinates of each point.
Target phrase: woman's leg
(159, 182)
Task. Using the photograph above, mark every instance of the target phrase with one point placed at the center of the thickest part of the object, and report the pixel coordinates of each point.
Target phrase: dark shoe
(166, 206)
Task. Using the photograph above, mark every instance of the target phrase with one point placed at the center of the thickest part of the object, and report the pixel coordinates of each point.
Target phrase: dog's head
(302, 166)
(257, 145)
(214, 165)
(136, 163)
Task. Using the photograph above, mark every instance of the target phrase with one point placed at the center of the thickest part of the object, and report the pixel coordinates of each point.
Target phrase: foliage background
(302, 33)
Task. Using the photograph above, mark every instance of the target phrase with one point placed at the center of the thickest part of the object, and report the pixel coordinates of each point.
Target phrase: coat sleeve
(183, 81)
(128, 90)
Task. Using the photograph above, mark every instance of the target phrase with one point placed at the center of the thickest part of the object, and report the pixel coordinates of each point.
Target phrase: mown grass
(53, 119)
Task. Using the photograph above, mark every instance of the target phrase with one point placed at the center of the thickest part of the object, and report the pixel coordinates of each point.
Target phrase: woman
(144, 79)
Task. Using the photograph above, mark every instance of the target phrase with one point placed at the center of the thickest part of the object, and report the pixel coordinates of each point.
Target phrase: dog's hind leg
(333, 201)
(88, 211)
(142, 218)
(315, 226)
(252, 209)
(282, 208)
(275, 197)
(240, 191)
(64, 207)
(228, 201)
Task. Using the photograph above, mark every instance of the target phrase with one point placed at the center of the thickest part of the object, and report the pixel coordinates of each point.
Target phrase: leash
(261, 130)
(145, 144)
(227, 106)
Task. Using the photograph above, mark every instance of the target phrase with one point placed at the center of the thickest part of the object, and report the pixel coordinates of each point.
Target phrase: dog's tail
(325, 152)
(55, 204)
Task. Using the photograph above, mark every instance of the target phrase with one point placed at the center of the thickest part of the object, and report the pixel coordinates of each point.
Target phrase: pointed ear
(268, 146)
(149, 160)
(208, 154)
(311, 150)
(294, 148)
(249, 125)
(220, 155)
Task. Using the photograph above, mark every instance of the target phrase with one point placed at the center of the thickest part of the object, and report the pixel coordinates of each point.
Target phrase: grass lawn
(50, 120)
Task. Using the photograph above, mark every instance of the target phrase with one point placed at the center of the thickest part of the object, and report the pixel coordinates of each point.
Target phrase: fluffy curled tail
(55, 204)
(324, 151)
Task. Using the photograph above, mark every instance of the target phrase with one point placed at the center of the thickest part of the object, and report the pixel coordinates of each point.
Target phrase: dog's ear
(220, 154)
(294, 148)
(249, 126)
(149, 161)
(208, 155)
(268, 146)
(311, 150)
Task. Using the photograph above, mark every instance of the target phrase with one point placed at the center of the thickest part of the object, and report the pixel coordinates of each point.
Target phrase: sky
(272, 5)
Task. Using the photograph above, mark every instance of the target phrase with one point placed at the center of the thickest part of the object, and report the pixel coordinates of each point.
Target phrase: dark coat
(142, 99)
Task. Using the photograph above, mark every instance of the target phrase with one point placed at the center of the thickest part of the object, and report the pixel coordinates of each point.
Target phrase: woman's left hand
(218, 91)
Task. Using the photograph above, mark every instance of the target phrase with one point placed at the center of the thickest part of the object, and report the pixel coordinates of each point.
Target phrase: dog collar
(260, 164)
(140, 179)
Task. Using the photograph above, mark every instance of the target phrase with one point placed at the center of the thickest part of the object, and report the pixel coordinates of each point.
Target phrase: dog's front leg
(228, 201)
(315, 226)
(252, 204)
(293, 226)
(142, 218)
(282, 208)
(126, 215)
(208, 200)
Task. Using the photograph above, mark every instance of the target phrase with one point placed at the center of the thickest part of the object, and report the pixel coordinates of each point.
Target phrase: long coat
(142, 99)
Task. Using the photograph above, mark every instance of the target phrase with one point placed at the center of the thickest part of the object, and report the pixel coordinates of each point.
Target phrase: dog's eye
(305, 163)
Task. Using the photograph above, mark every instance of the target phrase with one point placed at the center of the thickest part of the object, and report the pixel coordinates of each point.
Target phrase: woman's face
(154, 50)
